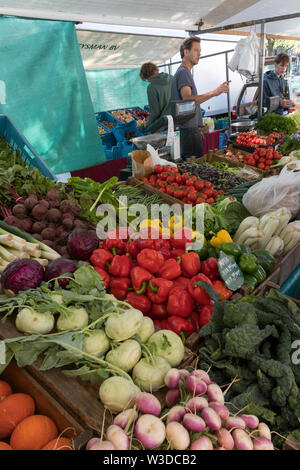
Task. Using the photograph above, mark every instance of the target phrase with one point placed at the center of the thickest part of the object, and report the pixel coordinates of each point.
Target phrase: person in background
(158, 92)
(275, 84)
(184, 88)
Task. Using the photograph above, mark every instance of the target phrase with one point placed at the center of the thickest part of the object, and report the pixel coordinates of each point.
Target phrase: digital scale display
(185, 107)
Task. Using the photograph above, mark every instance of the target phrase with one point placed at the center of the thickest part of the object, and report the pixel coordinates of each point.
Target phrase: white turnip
(225, 439)
(262, 443)
(211, 418)
(118, 437)
(196, 404)
(172, 378)
(172, 396)
(193, 422)
(202, 443)
(222, 410)
(93, 441)
(215, 393)
(184, 374)
(177, 436)
(176, 413)
(234, 422)
(242, 441)
(103, 445)
(122, 418)
(202, 375)
(251, 421)
(195, 385)
(147, 403)
(264, 431)
(150, 431)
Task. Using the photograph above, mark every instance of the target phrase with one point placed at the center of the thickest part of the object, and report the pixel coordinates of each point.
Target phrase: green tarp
(44, 91)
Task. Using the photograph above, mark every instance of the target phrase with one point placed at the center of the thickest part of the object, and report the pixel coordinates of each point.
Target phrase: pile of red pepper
(160, 278)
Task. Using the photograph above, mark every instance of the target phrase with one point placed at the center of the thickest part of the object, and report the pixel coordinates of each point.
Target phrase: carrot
(61, 443)
(13, 409)
(33, 433)
(5, 446)
(5, 390)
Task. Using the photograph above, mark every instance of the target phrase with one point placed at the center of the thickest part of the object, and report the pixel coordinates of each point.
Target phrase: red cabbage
(81, 243)
(58, 267)
(22, 274)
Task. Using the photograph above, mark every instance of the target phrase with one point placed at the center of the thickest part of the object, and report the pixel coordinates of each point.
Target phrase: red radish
(103, 445)
(172, 378)
(251, 421)
(117, 437)
(150, 431)
(234, 422)
(225, 439)
(147, 403)
(222, 410)
(262, 443)
(172, 396)
(122, 418)
(183, 374)
(211, 418)
(242, 440)
(202, 443)
(202, 375)
(195, 404)
(177, 436)
(264, 431)
(176, 413)
(193, 422)
(215, 393)
(195, 385)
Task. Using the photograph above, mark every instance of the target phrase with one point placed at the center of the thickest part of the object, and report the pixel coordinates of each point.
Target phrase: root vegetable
(117, 393)
(147, 403)
(193, 422)
(77, 318)
(102, 445)
(211, 418)
(195, 385)
(262, 443)
(19, 211)
(31, 201)
(215, 393)
(177, 436)
(26, 225)
(12, 220)
(184, 374)
(173, 351)
(251, 421)
(202, 443)
(146, 329)
(172, 396)
(118, 437)
(96, 343)
(225, 439)
(52, 194)
(45, 203)
(65, 206)
(201, 374)
(37, 236)
(176, 413)
(49, 243)
(126, 355)
(32, 322)
(172, 378)
(80, 224)
(122, 418)
(39, 212)
(124, 325)
(150, 377)
(48, 233)
(54, 215)
(37, 227)
(93, 441)
(234, 422)
(264, 431)
(150, 431)
(242, 441)
(196, 404)
(68, 223)
(221, 410)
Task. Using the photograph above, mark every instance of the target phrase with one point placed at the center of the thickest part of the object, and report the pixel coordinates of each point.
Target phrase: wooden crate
(22, 382)
(150, 190)
(289, 263)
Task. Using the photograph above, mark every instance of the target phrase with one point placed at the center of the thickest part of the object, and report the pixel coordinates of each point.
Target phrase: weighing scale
(166, 139)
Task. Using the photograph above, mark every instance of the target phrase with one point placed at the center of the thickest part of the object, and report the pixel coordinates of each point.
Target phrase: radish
(118, 437)
(264, 431)
(202, 443)
(176, 413)
(172, 396)
(103, 445)
(195, 385)
(122, 418)
(172, 378)
(93, 441)
(234, 422)
(196, 404)
(220, 448)
(251, 421)
(147, 403)
(193, 422)
(242, 440)
(177, 436)
(262, 443)
(183, 374)
(211, 418)
(222, 410)
(215, 393)
(202, 375)
(225, 439)
(150, 431)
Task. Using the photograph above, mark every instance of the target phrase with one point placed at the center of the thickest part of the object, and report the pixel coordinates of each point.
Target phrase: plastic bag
(278, 191)
(144, 161)
(246, 56)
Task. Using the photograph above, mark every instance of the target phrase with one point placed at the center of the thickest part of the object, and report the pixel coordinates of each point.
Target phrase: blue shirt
(273, 86)
(183, 77)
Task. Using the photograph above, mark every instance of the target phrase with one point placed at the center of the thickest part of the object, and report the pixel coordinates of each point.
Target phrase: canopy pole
(261, 69)
(228, 94)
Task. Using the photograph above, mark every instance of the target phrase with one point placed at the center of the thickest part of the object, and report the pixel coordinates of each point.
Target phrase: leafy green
(276, 123)
(289, 144)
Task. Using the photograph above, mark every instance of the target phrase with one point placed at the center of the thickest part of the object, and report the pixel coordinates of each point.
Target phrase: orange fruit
(13, 409)
(33, 433)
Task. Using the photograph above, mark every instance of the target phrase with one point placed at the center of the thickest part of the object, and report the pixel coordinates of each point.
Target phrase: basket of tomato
(262, 158)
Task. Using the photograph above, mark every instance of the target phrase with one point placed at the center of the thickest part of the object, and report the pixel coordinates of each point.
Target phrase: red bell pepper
(120, 266)
(182, 239)
(190, 264)
(198, 293)
(119, 287)
(177, 253)
(151, 260)
(205, 314)
(222, 290)
(179, 324)
(159, 311)
(181, 282)
(170, 269)
(101, 258)
(139, 301)
(209, 267)
(195, 320)
(180, 302)
(113, 243)
(140, 277)
(132, 248)
(158, 290)
(160, 244)
(105, 276)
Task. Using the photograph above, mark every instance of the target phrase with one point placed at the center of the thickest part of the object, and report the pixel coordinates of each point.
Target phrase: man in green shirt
(158, 92)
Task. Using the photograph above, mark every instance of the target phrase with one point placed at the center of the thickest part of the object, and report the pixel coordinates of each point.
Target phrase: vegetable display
(276, 123)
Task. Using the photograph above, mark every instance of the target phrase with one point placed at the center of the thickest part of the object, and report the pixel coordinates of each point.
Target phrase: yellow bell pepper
(155, 224)
(221, 237)
(176, 223)
(198, 236)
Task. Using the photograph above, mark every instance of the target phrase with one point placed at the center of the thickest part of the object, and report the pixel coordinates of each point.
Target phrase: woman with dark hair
(158, 92)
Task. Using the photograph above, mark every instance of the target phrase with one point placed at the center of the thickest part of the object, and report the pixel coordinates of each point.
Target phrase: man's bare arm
(186, 93)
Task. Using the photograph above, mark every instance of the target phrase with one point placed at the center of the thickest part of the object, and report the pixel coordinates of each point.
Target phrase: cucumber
(18, 232)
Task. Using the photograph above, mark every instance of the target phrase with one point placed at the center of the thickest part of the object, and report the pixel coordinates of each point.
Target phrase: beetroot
(81, 243)
(31, 201)
(54, 215)
(58, 267)
(39, 212)
(19, 211)
(22, 274)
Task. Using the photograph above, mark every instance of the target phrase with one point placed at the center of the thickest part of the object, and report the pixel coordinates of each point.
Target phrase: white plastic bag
(246, 56)
(278, 191)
